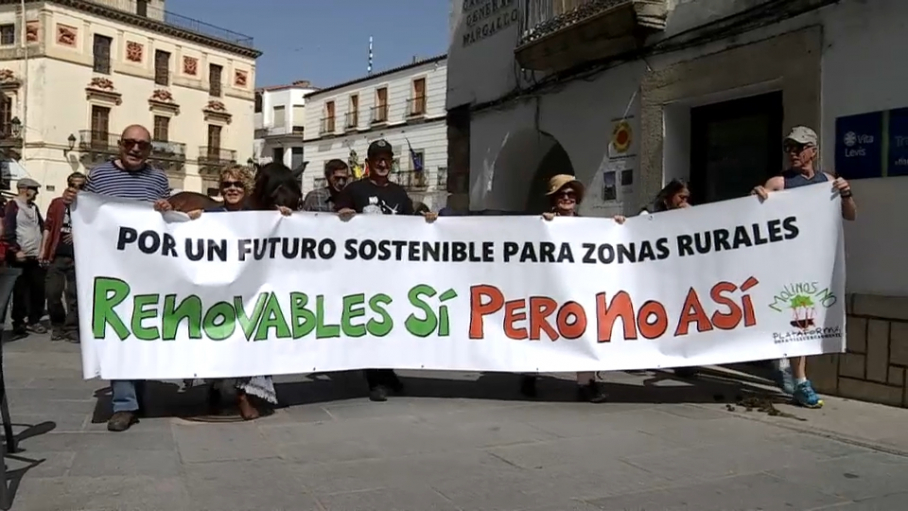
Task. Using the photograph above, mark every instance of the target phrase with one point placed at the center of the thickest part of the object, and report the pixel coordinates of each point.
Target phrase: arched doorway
(522, 169)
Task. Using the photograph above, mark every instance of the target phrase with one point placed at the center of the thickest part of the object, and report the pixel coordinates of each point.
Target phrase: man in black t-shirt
(375, 194)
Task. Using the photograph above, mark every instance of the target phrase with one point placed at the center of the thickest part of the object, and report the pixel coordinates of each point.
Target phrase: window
(101, 50)
(161, 128)
(380, 111)
(296, 157)
(214, 79)
(280, 117)
(161, 67)
(142, 7)
(353, 114)
(329, 116)
(418, 102)
(214, 142)
(299, 118)
(7, 35)
(100, 125)
(258, 102)
(6, 116)
(277, 155)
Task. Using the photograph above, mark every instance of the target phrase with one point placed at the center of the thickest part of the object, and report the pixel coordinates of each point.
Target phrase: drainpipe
(23, 37)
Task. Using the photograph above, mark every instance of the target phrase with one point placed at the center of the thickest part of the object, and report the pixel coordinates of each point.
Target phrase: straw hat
(561, 180)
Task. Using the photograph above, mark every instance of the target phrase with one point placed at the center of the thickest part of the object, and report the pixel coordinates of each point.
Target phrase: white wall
(400, 89)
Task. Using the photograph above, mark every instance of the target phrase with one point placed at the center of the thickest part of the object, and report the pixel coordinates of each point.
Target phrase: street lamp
(15, 126)
(72, 143)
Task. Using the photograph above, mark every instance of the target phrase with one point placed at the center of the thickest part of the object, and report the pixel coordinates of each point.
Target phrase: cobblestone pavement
(456, 442)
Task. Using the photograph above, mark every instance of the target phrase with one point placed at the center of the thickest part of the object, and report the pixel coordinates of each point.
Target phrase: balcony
(560, 34)
(11, 139)
(379, 114)
(101, 145)
(351, 121)
(416, 107)
(326, 126)
(212, 158)
(168, 156)
(411, 180)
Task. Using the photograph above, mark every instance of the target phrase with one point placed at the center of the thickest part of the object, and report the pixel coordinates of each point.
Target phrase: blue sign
(859, 146)
(898, 142)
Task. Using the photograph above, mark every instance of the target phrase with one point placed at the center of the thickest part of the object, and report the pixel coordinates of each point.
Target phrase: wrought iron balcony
(101, 145)
(379, 114)
(351, 120)
(94, 141)
(327, 126)
(10, 138)
(215, 156)
(416, 106)
(411, 180)
(559, 34)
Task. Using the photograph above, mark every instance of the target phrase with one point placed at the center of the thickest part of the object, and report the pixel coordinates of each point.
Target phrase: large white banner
(241, 294)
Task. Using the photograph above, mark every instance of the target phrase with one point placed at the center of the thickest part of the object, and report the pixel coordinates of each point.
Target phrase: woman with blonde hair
(237, 188)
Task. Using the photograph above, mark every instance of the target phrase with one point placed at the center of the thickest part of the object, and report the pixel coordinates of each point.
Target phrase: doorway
(735, 145)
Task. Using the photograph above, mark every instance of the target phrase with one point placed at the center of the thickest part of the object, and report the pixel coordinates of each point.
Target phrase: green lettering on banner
(189, 309)
(426, 326)
(109, 293)
(248, 323)
(219, 330)
(380, 328)
(140, 314)
(444, 327)
(353, 308)
(323, 331)
(298, 311)
(272, 317)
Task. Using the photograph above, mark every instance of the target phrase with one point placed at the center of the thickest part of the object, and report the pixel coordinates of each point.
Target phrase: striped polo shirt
(149, 184)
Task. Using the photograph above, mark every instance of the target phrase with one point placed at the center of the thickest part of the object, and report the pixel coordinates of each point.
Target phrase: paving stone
(205, 442)
(246, 485)
(415, 498)
(854, 477)
(888, 503)
(60, 422)
(743, 493)
(103, 493)
(98, 462)
(39, 464)
(138, 441)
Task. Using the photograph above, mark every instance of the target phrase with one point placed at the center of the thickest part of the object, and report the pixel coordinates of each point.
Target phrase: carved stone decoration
(32, 31)
(102, 90)
(134, 51)
(162, 99)
(6, 75)
(215, 110)
(240, 78)
(190, 66)
(8, 80)
(67, 35)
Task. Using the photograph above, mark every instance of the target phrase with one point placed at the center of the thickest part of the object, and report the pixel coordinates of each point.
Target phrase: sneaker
(528, 386)
(805, 396)
(121, 421)
(591, 392)
(379, 393)
(57, 335)
(785, 380)
(73, 337)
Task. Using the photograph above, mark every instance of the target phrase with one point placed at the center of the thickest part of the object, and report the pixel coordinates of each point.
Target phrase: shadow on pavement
(23, 464)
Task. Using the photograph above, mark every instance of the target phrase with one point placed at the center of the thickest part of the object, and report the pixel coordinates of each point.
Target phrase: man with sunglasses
(337, 175)
(57, 255)
(802, 150)
(128, 177)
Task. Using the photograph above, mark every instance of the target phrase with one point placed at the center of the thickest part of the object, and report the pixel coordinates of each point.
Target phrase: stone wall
(874, 365)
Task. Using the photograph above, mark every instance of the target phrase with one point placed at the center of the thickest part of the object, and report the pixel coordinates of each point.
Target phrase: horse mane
(189, 201)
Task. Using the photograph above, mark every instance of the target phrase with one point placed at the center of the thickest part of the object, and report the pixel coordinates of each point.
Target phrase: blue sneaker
(785, 380)
(805, 396)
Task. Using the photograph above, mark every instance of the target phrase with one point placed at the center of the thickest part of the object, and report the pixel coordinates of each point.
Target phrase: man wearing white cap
(802, 149)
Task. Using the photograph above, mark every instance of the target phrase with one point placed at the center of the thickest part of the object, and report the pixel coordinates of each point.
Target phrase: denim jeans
(125, 395)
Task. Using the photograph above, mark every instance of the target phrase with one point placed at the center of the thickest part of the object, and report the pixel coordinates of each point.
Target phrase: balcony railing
(416, 106)
(557, 34)
(379, 114)
(101, 145)
(9, 139)
(210, 155)
(99, 141)
(351, 120)
(411, 179)
(298, 130)
(326, 126)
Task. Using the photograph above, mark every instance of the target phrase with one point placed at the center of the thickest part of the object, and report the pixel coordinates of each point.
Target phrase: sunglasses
(233, 184)
(794, 146)
(129, 143)
(568, 194)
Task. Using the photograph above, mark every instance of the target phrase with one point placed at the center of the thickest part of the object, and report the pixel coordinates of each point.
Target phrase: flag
(415, 158)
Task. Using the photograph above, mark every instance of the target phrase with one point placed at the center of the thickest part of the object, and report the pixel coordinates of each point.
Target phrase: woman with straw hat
(565, 193)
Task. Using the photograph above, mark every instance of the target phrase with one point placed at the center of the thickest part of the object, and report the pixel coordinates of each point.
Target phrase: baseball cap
(380, 146)
(802, 135)
(27, 183)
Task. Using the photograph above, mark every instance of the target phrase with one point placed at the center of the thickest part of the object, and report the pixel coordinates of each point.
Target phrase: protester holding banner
(802, 148)
(565, 193)
(376, 194)
(129, 176)
(337, 174)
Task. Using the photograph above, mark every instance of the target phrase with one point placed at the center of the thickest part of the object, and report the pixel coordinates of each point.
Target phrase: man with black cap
(376, 194)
